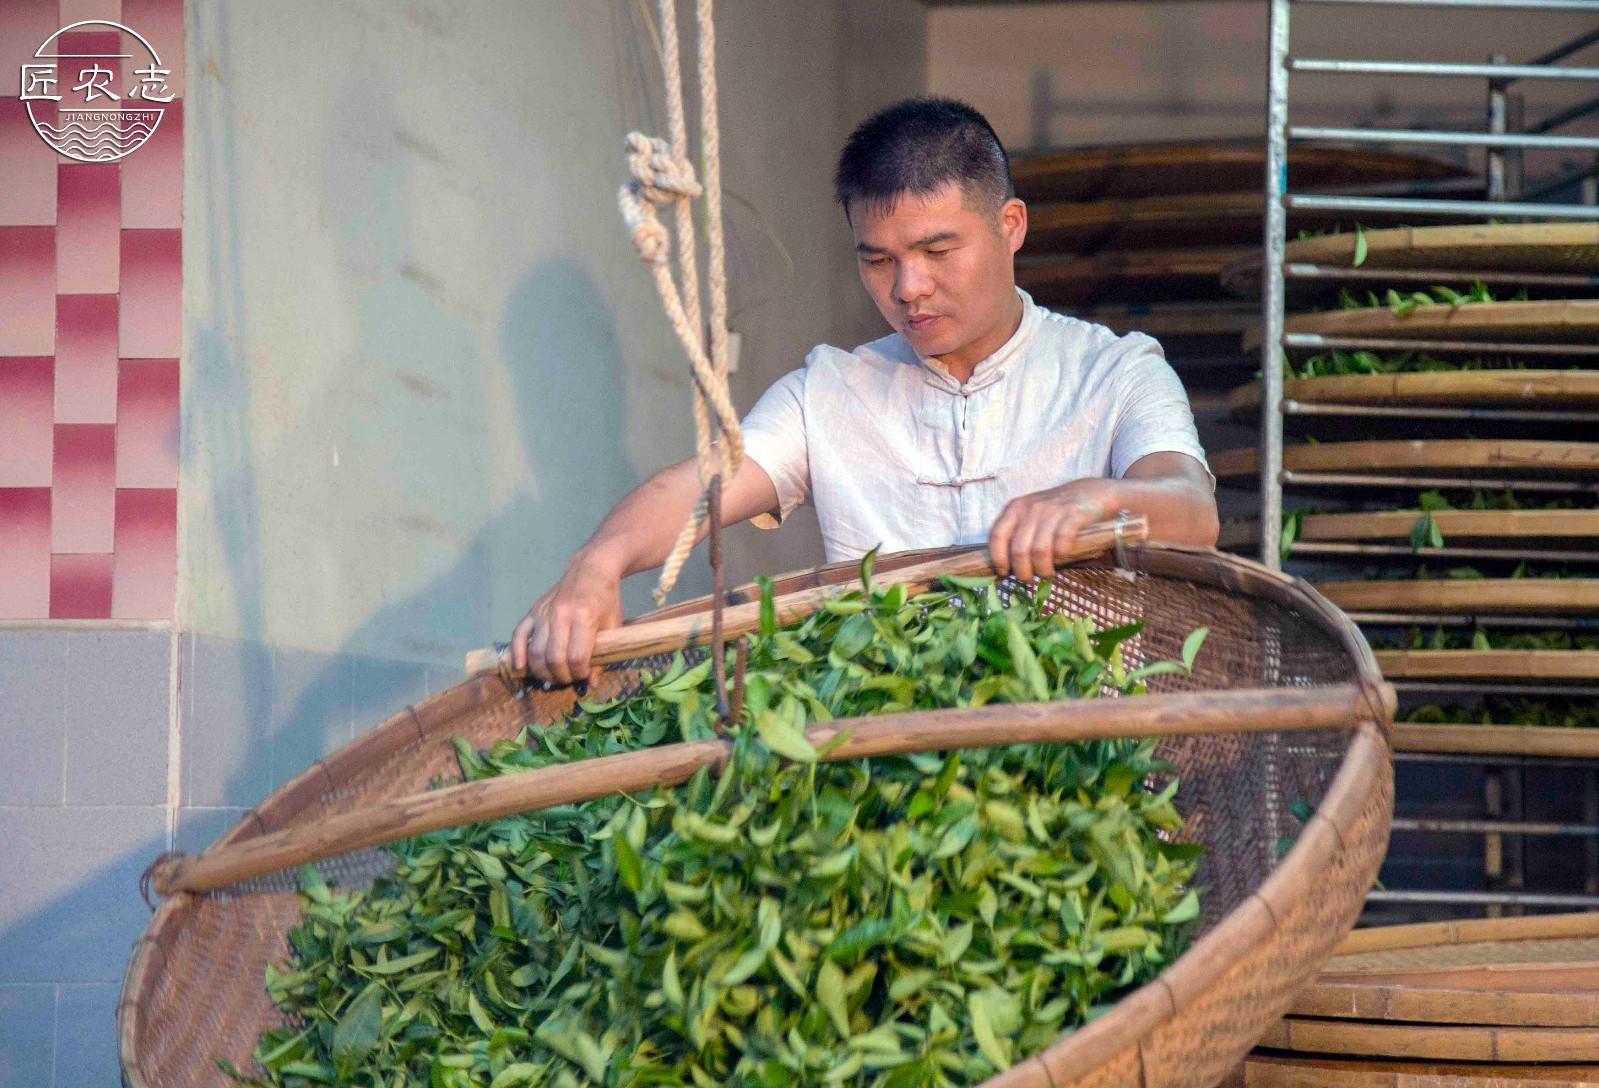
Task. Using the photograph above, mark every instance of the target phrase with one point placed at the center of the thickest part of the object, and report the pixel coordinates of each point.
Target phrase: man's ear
(1013, 223)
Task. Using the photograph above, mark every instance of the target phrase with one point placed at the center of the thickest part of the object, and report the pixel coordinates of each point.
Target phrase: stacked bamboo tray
(1370, 445)
(1110, 229)
(1477, 1004)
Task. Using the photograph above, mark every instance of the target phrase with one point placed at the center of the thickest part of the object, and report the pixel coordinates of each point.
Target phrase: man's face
(939, 267)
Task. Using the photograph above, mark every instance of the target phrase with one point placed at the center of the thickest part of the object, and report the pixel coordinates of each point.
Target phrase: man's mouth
(920, 322)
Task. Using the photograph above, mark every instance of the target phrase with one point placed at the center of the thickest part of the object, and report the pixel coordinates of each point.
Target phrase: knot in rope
(658, 175)
(650, 236)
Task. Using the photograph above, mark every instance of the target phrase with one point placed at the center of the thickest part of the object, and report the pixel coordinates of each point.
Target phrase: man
(983, 417)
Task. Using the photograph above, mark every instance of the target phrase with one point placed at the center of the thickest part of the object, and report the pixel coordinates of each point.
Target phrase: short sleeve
(1154, 414)
(774, 438)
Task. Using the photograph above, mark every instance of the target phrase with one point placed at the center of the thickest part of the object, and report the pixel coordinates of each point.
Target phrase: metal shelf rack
(1505, 138)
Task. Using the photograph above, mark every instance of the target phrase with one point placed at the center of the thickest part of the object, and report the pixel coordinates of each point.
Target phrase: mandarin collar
(993, 368)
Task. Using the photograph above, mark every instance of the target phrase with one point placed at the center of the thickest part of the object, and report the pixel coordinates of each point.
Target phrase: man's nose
(913, 282)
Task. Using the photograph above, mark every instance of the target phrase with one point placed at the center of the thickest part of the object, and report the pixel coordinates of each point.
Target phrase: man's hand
(1036, 530)
(1172, 490)
(555, 640)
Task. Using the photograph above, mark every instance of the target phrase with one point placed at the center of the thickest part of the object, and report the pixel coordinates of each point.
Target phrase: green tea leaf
(768, 605)
(357, 1030)
(781, 737)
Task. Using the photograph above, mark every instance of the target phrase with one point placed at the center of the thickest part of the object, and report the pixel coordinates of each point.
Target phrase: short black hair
(918, 145)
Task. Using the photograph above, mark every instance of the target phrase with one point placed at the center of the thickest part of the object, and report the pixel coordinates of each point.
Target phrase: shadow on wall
(559, 343)
(255, 715)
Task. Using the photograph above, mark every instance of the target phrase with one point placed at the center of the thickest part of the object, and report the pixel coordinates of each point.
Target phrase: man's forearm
(1034, 531)
(1176, 511)
(639, 532)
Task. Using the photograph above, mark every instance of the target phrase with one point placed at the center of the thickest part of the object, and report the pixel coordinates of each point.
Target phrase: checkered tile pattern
(91, 297)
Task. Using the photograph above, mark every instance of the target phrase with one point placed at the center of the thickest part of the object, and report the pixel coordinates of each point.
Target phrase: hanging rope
(662, 174)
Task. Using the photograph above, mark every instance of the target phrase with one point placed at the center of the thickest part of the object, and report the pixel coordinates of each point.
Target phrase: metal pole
(1043, 107)
(1508, 5)
(1290, 476)
(1429, 68)
(1450, 139)
(1566, 116)
(1405, 551)
(1496, 126)
(1422, 275)
(1516, 158)
(1515, 841)
(1405, 205)
(1590, 849)
(1493, 844)
(1474, 619)
(1575, 45)
(1316, 342)
(1273, 296)
(1477, 687)
(1483, 827)
(1524, 899)
(1478, 759)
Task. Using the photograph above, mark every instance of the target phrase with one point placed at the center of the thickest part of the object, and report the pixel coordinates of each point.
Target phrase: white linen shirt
(895, 453)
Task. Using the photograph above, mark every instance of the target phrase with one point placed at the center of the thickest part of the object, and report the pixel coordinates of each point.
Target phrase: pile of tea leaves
(922, 919)
(1460, 638)
(1337, 362)
(1512, 710)
(1402, 302)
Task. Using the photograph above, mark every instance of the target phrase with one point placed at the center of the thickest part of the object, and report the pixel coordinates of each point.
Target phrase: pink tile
(27, 421)
(86, 359)
(24, 552)
(152, 176)
(74, 10)
(28, 290)
(24, 26)
(88, 228)
(27, 167)
(90, 48)
(145, 571)
(152, 294)
(147, 423)
(83, 497)
(80, 587)
(159, 22)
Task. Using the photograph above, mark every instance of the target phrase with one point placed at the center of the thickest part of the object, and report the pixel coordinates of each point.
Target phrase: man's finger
(1066, 531)
(519, 639)
(999, 538)
(535, 652)
(555, 650)
(1040, 543)
(1042, 553)
(580, 649)
(1021, 542)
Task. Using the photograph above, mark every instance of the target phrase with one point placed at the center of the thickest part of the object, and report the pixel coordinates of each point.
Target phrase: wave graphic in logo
(101, 141)
(67, 72)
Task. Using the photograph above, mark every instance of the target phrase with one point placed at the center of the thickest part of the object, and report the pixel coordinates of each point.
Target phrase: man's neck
(963, 361)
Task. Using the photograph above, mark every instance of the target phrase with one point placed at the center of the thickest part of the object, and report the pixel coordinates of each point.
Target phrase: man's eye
(875, 260)
(939, 252)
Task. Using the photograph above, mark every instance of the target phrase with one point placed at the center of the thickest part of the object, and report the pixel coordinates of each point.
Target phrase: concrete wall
(420, 362)
(1126, 72)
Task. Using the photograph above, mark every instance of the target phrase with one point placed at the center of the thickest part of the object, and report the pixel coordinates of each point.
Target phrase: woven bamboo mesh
(194, 988)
